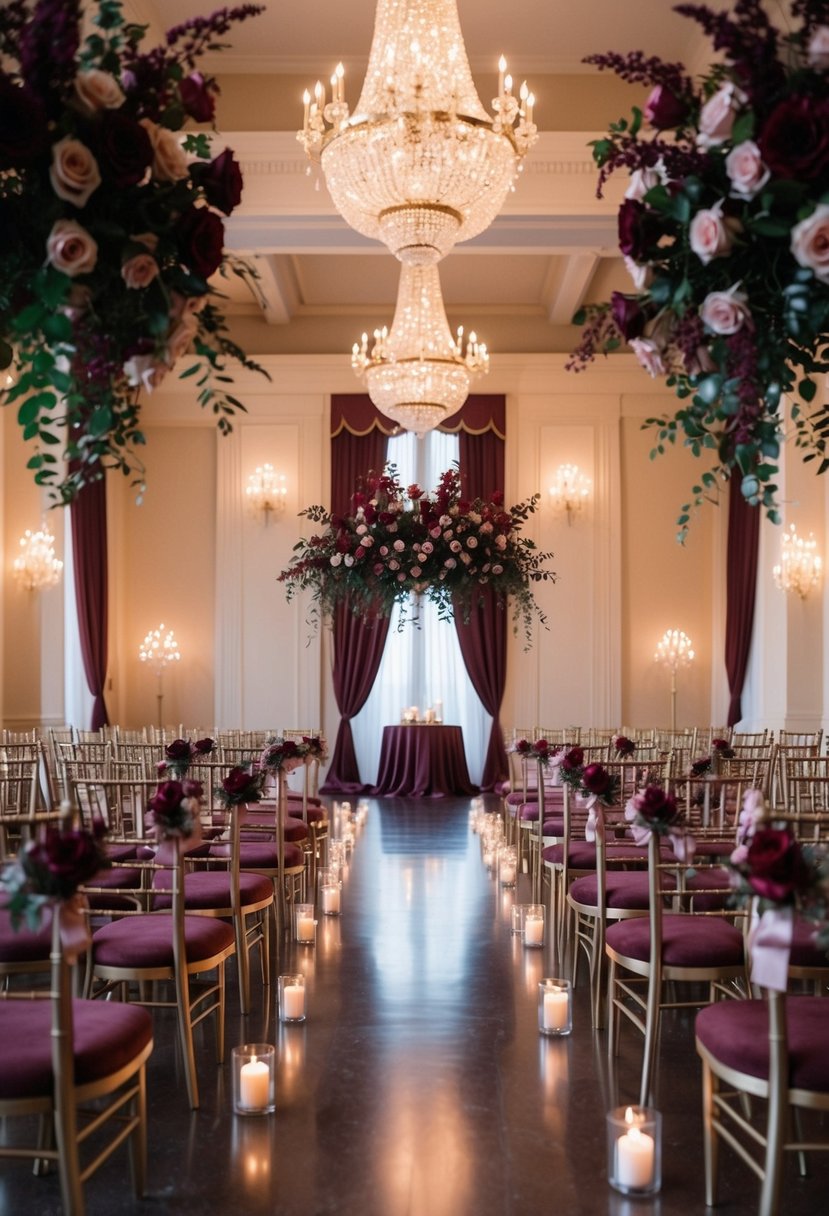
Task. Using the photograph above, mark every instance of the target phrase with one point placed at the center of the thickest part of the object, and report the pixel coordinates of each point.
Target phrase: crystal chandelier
(800, 568)
(570, 490)
(37, 568)
(266, 491)
(419, 165)
(416, 373)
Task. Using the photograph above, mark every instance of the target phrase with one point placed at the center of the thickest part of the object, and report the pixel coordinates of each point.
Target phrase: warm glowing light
(674, 649)
(159, 649)
(570, 490)
(36, 568)
(266, 491)
(800, 568)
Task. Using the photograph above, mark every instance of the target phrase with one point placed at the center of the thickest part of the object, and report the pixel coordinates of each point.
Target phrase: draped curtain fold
(358, 446)
(88, 514)
(741, 588)
(483, 639)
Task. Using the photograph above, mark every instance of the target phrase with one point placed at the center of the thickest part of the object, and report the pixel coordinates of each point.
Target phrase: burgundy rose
(628, 314)
(638, 230)
(596, 779)
(197, 98)
(167, 799)
(414, 492)
(222, 182)
(794, 142)
(573, 759)
(125, 151)
(179, 749)
(201, 236)
(60, 861)
(203, 747)
(624, 746)
(655, 806)
(237, 781)
(497, 498)
(541, 747)
(22, 125)
(776, 867)
(522, 747)
(664, 110)
(723, 748)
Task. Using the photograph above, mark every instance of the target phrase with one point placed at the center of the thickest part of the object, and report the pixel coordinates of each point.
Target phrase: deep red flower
(196, 97)
(222, 182)
(664, 110)
(795, 139)
(201, 236)
(776, 866)
(596, 779)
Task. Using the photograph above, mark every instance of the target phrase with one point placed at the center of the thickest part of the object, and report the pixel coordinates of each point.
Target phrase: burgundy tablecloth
(423, 762)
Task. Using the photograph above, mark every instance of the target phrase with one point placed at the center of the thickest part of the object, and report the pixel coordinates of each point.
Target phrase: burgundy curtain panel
(359, 440)
(741, 588)
(483, 639)
(88, 513)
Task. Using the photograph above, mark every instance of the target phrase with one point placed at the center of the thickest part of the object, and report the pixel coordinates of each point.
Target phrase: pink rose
(818, 52)
(74, 173)
(450, 563)
(710, 235)
(724, 312)
(810, 242)
(472, 542)
(399, 546)
(169, 158)
(641, 181)
(716, 118)
(144, 371)
(455, 546)
(139, 270)
(71, 249)
(415, 572)
(745, 169)
(649, 355)
(96, 90)
(180, 338)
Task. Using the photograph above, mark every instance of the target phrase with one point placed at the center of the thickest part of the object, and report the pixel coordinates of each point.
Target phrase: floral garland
(110, 228)
(725, 231)
(397, 541)
(50, 869)
(284, 754)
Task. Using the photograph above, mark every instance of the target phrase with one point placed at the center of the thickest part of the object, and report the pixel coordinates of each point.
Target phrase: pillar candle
(555, 1010)
(331, 900)
(294, 1001)
(305, 929)
(533, 931)
(254, 1083)
(634, 1159)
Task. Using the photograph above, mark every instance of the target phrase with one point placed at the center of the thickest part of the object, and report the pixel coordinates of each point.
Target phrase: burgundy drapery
(741, 587)
(88, 514)
(483, 639)
(358, 446)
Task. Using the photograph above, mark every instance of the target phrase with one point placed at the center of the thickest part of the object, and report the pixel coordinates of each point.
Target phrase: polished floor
(419, 1085)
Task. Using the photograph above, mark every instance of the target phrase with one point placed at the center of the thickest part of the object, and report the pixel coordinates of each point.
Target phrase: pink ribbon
(769, 944)
(73, 925)
(683, 845)
(165, 854)
(753, 810)
(592, 818)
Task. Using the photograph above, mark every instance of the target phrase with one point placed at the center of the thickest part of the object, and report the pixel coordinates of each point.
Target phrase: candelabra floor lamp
(674, 650)
(158, 650)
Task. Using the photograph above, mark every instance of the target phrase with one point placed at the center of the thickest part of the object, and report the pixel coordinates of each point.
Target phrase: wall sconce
(570, 490)
(158, 650)
(37, 568)
(800, 569)
(674, 650)
(266, 491)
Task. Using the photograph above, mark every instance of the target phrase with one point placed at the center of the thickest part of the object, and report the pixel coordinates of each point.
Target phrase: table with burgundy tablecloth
(423, 762)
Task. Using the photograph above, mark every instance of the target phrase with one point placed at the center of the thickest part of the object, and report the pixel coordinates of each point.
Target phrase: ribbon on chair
(165, 854)
(752, 812)
(769, 944)
(73, 925)
(592, 818)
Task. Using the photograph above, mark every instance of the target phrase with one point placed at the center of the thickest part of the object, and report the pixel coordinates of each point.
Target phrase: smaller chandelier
(570, 490)
(159, 649)
(800, 569)
(674, 650)
(37, 568)
(266, 491)
(416, 373)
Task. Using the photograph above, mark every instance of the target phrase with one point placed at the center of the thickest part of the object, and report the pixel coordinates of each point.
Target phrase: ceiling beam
(275, 287)
(567, 284)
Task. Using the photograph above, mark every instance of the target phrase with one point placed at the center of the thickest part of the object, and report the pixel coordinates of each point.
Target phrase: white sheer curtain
(422, 663)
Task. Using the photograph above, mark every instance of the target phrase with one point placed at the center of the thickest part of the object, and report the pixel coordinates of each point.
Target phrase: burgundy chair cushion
(736, 1034)
(314, 814)
(515, 798)
(582, 854)
(118, 876)
(120, 852)
(804, 952)
(553, 827)
(687, 941)
(312, 800)
(500, 788)
(710, 901)
(295, 830)
(262, 855)
(108, 1035)
(207, 889)
(625, 889)
(528, 811)
(713, 848)
(22, 945)
(147, 941)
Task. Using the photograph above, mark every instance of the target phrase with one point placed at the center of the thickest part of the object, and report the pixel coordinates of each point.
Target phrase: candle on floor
(292, 998)
(534, 925)
(253, 1079)
(554, 1007)
(634, 1150)
(253, 1084)
(305, 928)
(331, 901)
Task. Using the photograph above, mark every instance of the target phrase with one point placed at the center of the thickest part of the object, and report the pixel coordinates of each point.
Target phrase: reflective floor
(419, 1085)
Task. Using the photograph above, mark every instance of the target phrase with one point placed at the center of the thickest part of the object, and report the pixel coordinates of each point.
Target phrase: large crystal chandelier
(417, 373)
(420, 164)
(36, 568)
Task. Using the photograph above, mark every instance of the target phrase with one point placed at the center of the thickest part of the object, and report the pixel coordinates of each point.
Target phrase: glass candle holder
(518, 914)
(292, 998)
(254, 1079)
(634, 1150)
(507, 865)
(555, 1007)
(534, 925)
(305, 926)
(331, 898)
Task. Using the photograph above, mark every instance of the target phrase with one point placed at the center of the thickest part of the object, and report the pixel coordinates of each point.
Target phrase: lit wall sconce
(159, 650)
(570, 490)
(37, 568)
(266, 491)
(800, 568)
(674, 650)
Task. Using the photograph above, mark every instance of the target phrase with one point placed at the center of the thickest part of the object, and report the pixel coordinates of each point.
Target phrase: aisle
(419, 1086)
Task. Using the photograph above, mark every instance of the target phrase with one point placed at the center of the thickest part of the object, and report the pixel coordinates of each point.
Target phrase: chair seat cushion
(553, 827)
(22, 945)
(295, 830)
(710, 900)
(805, 952)
(687, 941)
(107, 1035)
(713, 848)
(120, 852)
(118, 876)
(314, 814)
(736, 1034)
(147, 941)
(262, 855)
(582, 854)
(210, 889)
(625, 889)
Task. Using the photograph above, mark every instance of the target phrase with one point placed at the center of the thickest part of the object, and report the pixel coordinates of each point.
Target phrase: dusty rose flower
(724, 312)
(716, 118)
(664, 109)
(139, 270)
(144, 371)
(367, 542)
(169, 158)
(472, 542)
(179, 340)
(649, 355)
(450, 563)
(74, 172)
(336, 559)
(641, 181)
(745, 169)
(394, 564)
(497, 568)
(399, 546)
(415, 572)
(818, 51)
(97, 90)
(71, 249)
(639, 273)
(709, 235)
(455, 546)
(810, 242)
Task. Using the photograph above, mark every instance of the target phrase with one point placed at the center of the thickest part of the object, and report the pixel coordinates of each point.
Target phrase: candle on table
(254, 1084)
(293, 1001)
(634, 1159)
(331, 901)
(533, 931)
(305, 928)
(555, 1010)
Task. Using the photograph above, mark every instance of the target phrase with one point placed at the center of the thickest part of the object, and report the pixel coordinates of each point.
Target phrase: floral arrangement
(540, 750)
(721, 749)
(180, 754)
(725, 232)
(569, 766)
(397, 541)
(283, 754)
(654, 810)
(176, 809)
(110, 228)
(242, 784)
(51, 868)
(623, 746)
(317, 747)
(598, 784)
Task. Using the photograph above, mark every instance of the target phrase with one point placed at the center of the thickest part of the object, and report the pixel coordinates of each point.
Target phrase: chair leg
(240, 929)
(773, 1170)
(138, 1139)
(711, 1145)
(651, 1038)
(185, 1033)
(220, 1015)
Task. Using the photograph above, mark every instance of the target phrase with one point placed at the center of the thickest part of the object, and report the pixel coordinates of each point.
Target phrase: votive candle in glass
(634, 1150)
(292, 998)
(534, 925)
(305, 926)
(254, 1079)
(555, 1007)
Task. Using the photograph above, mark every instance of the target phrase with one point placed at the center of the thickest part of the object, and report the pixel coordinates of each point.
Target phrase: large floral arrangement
(110, 228)
(401, 540)
(725, 232)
